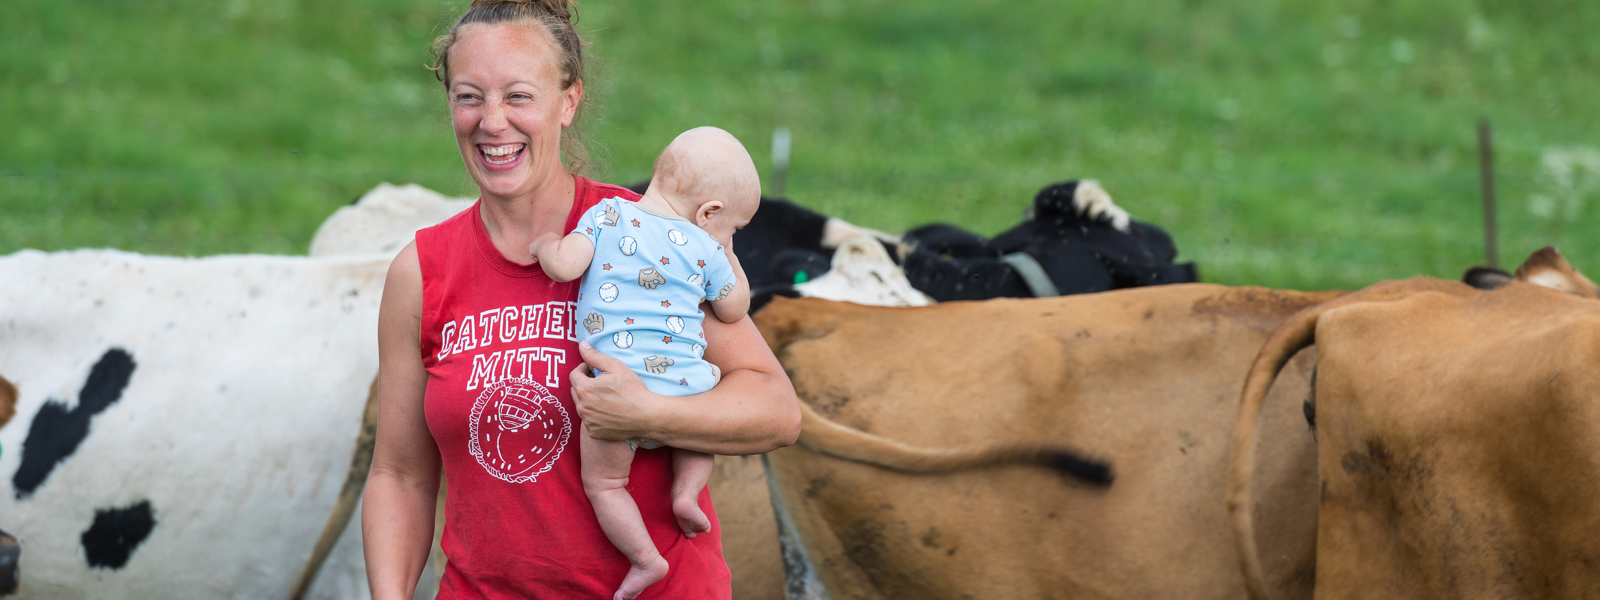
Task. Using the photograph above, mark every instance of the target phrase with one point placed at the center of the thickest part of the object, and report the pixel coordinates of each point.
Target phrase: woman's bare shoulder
(402, 287)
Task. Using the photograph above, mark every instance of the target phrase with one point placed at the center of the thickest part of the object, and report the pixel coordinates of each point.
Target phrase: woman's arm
(752, 410)
(398, 508)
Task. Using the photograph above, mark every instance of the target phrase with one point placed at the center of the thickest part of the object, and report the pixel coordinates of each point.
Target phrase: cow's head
(1546, 267)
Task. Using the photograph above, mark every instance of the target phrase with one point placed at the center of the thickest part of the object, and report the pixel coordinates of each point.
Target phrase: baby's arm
(735, 301)
(563, 258)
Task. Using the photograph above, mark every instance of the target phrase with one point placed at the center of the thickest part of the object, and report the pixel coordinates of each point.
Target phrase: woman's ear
(571, 98)
(703, 216)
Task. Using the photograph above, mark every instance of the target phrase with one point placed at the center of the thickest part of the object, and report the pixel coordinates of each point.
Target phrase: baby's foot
(640, 577)
(690, 518)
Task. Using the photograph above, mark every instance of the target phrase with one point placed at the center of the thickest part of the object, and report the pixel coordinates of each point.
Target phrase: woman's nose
(494, 117)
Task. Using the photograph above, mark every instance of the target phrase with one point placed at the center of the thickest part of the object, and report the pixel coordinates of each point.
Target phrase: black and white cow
(183, 425)
(1074, 240)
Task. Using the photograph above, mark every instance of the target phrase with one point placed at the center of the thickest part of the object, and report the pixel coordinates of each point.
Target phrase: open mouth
(501, 155)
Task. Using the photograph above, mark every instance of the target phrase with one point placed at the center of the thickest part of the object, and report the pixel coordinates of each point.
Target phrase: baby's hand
(547, 240)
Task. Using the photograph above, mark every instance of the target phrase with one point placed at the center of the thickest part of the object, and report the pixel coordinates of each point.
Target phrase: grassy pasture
(1291, 144)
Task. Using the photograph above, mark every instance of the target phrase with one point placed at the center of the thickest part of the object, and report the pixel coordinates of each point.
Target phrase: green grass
(1291, 144)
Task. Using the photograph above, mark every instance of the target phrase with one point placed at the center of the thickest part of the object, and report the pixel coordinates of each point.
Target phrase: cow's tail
(824, 436)
(1298, 332)
(349, 496)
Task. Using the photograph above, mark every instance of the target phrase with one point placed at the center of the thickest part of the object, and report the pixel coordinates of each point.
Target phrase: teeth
(502, 150)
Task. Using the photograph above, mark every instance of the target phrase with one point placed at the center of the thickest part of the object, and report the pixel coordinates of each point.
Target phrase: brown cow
(1144, 378)
(1459, 438)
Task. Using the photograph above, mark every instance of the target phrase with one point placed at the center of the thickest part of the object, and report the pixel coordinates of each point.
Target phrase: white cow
(183, 425)
(384, 220)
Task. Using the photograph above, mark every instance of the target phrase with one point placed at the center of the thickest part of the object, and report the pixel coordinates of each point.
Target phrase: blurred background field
(1292, 144)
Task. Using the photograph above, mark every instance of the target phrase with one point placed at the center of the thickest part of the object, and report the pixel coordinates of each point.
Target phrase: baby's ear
(703, 216)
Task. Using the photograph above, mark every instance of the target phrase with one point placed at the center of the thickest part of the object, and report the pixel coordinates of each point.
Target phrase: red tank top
(498, 343)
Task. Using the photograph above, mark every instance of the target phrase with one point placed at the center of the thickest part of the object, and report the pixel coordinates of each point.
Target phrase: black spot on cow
(116, 532)
(1310, 406)
(10, 553)
(56, 432)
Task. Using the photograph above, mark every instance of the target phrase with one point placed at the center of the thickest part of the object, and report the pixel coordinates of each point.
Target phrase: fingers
(600, 361)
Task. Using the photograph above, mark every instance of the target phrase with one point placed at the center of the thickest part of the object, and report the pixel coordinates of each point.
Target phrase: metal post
(780, 160)
(1491, 244)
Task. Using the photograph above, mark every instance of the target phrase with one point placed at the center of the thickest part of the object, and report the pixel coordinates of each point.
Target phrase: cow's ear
(1486, 278)
(1547, 267)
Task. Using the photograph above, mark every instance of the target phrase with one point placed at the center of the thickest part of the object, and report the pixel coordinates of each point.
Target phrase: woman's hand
(615, 405)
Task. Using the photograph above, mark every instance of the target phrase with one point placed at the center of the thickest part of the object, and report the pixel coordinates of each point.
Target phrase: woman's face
(508, 108)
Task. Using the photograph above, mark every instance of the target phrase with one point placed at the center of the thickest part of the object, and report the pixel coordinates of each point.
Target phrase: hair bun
(561, 9)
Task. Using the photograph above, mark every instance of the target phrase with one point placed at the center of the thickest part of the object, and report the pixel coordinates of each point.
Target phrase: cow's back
(1147, 379)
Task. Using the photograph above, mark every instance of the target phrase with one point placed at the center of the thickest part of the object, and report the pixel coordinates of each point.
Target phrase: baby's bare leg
(690, 472)
(605, 480)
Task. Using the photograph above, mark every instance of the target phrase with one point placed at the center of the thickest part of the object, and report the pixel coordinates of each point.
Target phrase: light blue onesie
(640, 298)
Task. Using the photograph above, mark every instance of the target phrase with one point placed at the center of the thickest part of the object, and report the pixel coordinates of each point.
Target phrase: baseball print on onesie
(640, 299)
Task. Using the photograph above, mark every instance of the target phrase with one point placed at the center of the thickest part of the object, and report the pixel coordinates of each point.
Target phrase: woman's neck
(513, 223)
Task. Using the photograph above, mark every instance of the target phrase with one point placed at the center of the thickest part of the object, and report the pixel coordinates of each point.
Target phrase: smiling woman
(476, 343)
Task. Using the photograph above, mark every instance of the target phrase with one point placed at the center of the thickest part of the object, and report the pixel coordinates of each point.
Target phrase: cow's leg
(691, 471)
(10, 552)
(605, 481)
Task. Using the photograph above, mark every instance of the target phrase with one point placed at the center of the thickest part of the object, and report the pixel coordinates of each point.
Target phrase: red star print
(667, 339)
(664, 260)
(702, 334)
(628, 320)
(588, 230)
(606, 266)
(665, 304)
(683, 382)
(635, 222)
(700, 262)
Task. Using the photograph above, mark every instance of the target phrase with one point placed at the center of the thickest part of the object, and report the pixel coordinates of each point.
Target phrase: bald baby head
(704, 165)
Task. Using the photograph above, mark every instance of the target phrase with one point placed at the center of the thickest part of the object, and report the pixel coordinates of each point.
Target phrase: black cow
(1078, 253)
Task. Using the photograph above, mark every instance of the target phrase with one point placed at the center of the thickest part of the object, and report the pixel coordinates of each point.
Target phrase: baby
(646, 267)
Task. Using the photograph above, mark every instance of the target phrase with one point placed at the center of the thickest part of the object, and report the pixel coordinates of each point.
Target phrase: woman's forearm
(752, 410)
(749, 412)
(396, 532)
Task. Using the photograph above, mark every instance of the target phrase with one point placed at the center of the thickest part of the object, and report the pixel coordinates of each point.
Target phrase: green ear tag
(801, 277)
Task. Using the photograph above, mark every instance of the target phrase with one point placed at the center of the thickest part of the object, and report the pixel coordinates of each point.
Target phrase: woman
(476, 351)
